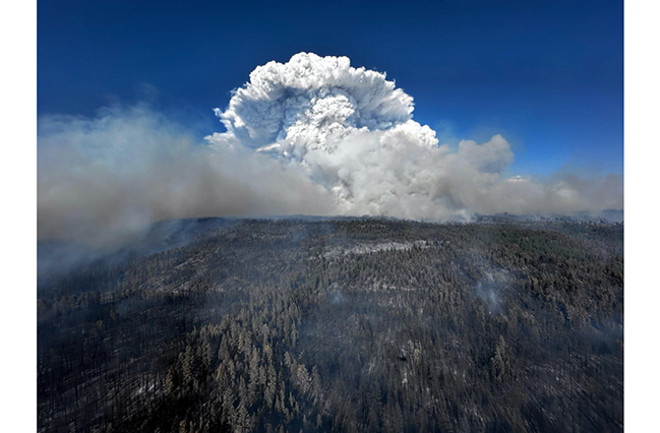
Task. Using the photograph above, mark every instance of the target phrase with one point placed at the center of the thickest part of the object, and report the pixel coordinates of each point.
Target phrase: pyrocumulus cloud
(313, 135)
(352, 131)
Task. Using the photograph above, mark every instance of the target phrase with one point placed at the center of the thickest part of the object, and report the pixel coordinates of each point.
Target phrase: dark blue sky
(548, 75)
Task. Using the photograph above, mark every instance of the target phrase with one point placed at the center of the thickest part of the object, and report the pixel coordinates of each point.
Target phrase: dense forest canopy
(358, 325)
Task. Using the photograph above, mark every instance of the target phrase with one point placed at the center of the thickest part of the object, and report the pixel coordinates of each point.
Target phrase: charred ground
(337, 325)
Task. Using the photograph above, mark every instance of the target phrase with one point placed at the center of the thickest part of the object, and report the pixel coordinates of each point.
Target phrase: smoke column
(352, 132)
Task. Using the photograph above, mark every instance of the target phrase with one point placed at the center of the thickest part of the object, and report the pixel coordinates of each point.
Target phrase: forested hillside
(361, 325)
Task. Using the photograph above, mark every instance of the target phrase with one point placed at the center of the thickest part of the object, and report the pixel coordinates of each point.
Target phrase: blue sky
(548, 75)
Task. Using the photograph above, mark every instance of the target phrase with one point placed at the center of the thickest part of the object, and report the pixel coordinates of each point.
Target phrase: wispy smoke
(313, 135)
(103, 180)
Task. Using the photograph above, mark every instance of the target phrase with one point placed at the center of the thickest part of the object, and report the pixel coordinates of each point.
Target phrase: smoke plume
(104, 180)
(310, 136)
(352, 132)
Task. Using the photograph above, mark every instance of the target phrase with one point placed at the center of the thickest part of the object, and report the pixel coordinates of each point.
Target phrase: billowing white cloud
(310, 136)
(352, 131)
(310, 97)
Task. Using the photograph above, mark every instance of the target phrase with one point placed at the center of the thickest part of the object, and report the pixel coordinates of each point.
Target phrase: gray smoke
(103, 180)
(310, 136)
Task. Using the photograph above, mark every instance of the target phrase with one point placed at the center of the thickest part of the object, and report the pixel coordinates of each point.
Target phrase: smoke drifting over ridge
(103, 180)
(313, 136)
